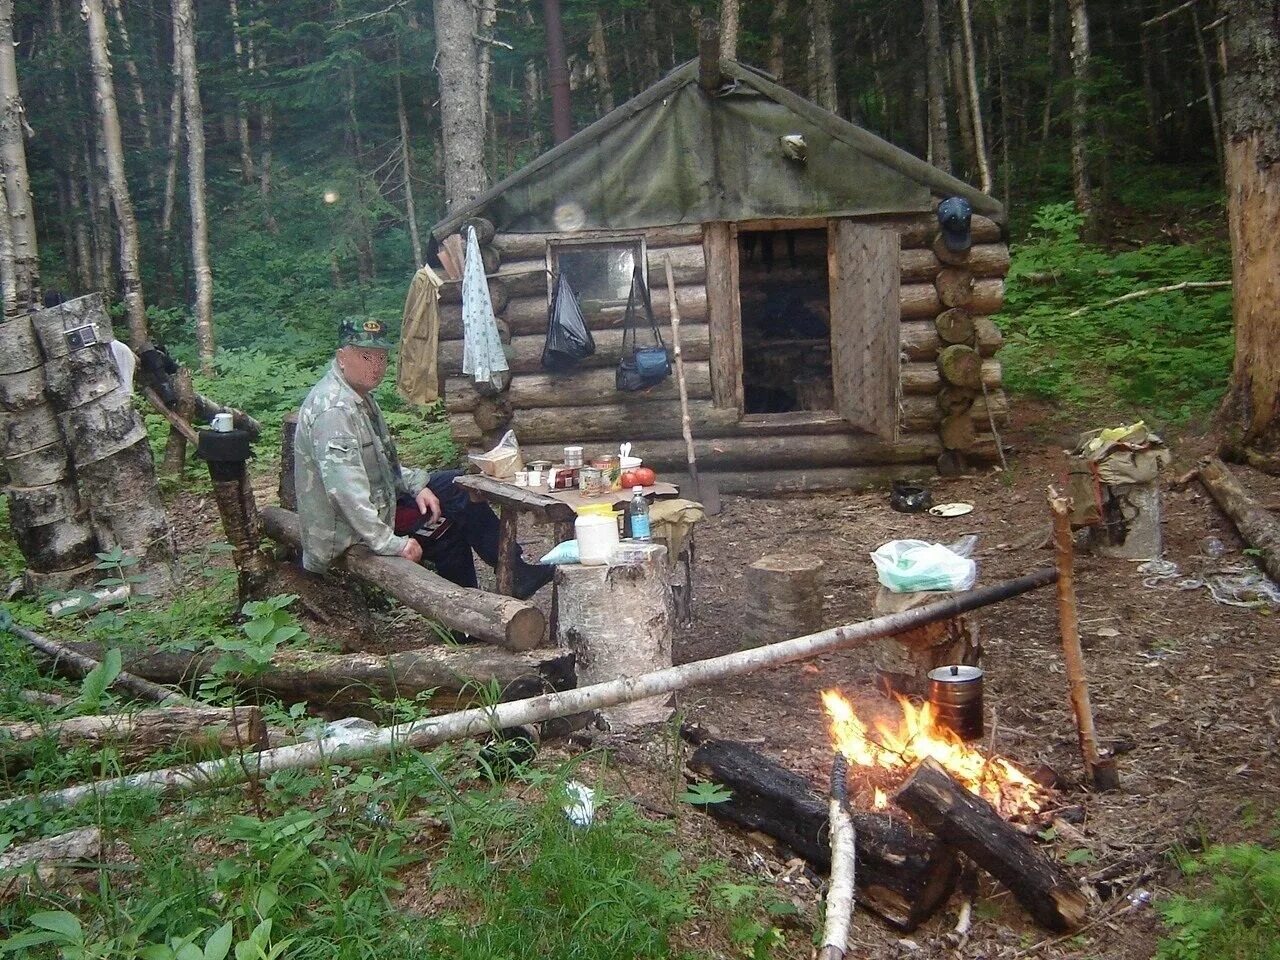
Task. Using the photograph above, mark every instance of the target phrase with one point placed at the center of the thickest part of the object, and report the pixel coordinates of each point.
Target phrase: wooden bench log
(902, 875)
(970, 825)
(453, 676)
(783, 598)
(505, 621)
(136, 736)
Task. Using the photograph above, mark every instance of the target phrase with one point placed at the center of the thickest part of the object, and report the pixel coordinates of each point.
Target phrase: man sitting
(350, 482)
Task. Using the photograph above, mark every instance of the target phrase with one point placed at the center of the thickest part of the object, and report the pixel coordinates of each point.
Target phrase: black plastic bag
(568, 339)
(640, 367)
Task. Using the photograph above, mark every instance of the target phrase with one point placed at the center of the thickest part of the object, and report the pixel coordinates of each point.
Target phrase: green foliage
(704, 794)
(12, 562)
(1166, 356)
(1236, 918)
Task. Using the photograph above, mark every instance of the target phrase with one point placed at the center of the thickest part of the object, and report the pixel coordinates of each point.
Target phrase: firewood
(844, 848)
(971, 825)
(902, 874)
(1256, 525)
(484, 616)
(138, 735)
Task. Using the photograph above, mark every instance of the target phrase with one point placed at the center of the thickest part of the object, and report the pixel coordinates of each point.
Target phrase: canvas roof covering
(676, 154)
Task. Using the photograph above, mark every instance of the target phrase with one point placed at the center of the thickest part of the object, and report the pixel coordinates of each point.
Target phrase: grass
(1236, 914)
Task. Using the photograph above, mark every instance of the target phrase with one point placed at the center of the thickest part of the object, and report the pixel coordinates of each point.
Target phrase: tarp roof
(676, 154)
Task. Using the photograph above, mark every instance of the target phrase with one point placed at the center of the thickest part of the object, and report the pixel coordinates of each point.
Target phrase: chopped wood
(971, 825)
(902, 874)
(1101, 770)
(1256, 525)
(138, 735)
(478, 721)
(481, 615)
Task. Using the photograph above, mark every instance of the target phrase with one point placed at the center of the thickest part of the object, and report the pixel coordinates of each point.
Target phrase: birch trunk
(964, 116)
(135, 80)
(485, 20)
(184, 15)
(407, 167)
(777, 38)
(460, 109)
(104, 239)
(242, 115)
(171, 165)
(8, 276)
(104, 99)
(936, 85)
(1080, 184)
(1210, 92)
(267, 124)
(13, 155)
(824, 65)
(729, 29)
(600, 60)
(1252, 92)
(974, 98)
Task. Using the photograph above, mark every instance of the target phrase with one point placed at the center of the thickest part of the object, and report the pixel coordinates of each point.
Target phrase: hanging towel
(416, 378)
(482, 356)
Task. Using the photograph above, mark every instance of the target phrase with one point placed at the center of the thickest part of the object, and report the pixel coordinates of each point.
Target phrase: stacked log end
(50, 523)
(106, 441)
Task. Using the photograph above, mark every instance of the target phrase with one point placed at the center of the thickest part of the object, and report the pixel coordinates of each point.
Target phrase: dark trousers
(472, 526)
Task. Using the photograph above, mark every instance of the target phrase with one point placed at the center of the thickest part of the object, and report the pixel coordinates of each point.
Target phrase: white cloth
(482, 356)
(126, 364)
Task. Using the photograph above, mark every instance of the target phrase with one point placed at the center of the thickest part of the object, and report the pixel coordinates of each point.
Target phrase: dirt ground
(1183, 688)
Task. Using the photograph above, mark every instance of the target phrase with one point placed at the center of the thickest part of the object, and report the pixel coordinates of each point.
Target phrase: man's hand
(428, 502)
(412, 550)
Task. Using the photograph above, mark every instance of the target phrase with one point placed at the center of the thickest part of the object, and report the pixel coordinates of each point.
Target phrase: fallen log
(48, 859)
(136, 736)
(971, 825)
(1255, 523)
(844, 874)
(485, 616)
(902, 874)
(432, 731)
(452, 675)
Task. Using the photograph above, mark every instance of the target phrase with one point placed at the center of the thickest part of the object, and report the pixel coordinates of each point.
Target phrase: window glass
(600, 273)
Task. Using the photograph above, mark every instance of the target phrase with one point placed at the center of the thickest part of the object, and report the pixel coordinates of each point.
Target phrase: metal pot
(956, 695)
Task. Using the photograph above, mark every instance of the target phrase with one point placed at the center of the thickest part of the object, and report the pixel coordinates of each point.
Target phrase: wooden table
(558, 508)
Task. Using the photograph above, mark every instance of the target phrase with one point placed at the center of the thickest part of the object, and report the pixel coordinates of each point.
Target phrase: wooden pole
(1101, 770)
(835, 934)
(685, 426)
(482, 720)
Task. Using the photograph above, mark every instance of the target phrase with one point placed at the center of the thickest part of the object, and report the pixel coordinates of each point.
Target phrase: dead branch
(1151, 292)
(1259, 529)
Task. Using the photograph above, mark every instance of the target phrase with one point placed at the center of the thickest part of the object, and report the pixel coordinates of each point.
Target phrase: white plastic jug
(597, 535)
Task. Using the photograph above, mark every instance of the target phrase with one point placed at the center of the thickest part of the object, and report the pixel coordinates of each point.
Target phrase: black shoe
(530, 578)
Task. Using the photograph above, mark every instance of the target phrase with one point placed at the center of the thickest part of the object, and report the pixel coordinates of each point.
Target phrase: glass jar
(591, 482)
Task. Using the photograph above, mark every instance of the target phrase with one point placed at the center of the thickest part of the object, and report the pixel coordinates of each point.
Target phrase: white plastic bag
(502, 461)
(909, 566)
(566, 552)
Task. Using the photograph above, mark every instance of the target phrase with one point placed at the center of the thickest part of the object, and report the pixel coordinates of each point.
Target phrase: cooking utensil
(704, 490)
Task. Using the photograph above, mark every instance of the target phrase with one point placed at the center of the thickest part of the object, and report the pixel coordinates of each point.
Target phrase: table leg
(507, 548)
(563, 532)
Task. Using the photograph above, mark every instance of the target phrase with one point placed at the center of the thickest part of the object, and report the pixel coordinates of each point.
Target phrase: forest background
(1096, 121)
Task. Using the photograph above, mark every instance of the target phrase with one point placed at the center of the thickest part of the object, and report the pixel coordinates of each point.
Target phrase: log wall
(938, 417)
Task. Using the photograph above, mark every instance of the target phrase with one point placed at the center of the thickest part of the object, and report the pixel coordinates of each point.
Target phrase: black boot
(529, 578)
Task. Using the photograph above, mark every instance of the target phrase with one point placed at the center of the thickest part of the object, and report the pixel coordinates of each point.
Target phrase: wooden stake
(685, 426)
(1100, 770)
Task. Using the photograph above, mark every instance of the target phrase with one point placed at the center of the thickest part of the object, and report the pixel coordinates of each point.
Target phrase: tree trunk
(964, 116)
(974, 98)
(184, 14)
(485, 20)
(460, 109)
(824, 63)
(1210, 92)
(8, 274)
(406, 166)
(557, 73)
(936, 84)
(1252, 90)
(13, 155)
(242, 115)
(729, 29)
(366, 269)
(777, 39)
(600, 59)
(1080, 184)
(104, 99)
(171, 166)
(266, 124)
(1150, 97)
(135, 82)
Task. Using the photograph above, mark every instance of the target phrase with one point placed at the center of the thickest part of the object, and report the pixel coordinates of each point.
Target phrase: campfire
(888, 751)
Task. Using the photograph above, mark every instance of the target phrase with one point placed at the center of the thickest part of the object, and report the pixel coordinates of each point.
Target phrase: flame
(899, 747)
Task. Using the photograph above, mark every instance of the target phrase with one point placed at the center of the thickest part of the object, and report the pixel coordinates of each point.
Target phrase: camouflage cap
(364, 332)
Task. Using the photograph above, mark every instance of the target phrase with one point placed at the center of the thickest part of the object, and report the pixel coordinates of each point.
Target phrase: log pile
(948, 403)
(906, 870)
(76, 453)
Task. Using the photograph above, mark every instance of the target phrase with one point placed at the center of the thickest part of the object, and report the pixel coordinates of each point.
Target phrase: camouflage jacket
(347, 474)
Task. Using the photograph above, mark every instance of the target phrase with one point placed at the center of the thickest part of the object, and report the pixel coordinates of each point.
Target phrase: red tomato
(643, 477)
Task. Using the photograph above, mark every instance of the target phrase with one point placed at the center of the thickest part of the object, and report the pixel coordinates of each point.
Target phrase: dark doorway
(786, 320)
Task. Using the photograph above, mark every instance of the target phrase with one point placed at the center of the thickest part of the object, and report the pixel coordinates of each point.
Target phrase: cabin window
(599, 272)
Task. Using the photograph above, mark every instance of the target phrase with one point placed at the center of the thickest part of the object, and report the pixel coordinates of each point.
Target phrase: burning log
(901, 874)
(971, 825)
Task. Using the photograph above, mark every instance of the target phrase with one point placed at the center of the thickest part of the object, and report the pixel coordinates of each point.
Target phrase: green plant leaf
(219, 943)
(702, 794)
(60, 922)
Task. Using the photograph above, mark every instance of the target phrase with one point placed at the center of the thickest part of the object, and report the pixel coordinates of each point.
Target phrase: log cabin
(830, 339)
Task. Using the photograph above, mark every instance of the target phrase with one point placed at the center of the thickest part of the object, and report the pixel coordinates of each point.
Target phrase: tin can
(573, 456)
(611, 468)
(956, 695)
(591, 481)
